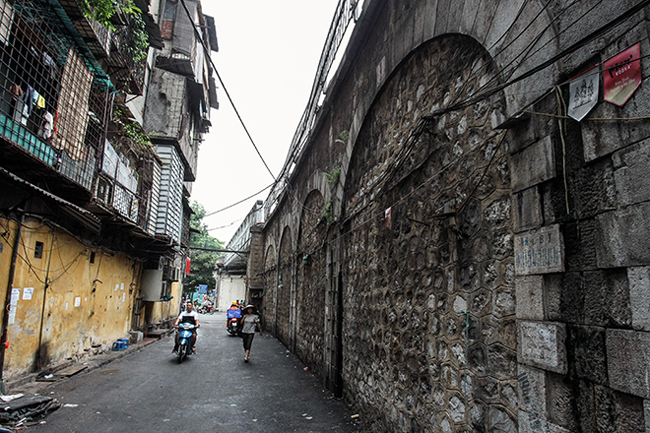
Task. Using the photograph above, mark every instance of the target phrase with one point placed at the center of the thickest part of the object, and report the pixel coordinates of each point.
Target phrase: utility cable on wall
(572, 48)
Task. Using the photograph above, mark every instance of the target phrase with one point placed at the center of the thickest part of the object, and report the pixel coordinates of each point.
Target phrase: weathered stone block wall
(310, 284)
(269, 282)
(582, 359)
(285, 288)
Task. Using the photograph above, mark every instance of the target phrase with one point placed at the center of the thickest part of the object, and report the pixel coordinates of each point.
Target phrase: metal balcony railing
(126, 64)
(346, 11)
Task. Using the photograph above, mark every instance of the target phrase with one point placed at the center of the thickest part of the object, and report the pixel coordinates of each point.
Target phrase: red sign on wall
(622, 75)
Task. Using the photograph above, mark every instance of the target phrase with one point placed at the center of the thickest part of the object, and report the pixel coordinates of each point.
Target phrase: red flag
(622, 75)
(187, 266)
(388, 217)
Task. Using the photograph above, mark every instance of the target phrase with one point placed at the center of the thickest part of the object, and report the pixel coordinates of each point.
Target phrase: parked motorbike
(206, 309)
(184, 340)
(233, 327)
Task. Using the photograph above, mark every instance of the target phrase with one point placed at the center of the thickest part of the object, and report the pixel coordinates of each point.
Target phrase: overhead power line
(232, 103)
(218, 250)
(239, 202)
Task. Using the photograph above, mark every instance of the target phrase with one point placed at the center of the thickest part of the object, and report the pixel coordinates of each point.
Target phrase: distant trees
(203, 263)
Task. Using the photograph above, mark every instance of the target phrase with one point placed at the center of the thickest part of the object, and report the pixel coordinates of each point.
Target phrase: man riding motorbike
(187, 316)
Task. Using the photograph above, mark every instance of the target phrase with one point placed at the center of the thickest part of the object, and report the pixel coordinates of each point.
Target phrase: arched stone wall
(270, 282)
(285, 288)
(311, 283)
(445, 253)
(469, 210)
(517, 35)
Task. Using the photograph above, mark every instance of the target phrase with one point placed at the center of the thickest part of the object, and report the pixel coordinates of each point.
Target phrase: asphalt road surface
(213, 391)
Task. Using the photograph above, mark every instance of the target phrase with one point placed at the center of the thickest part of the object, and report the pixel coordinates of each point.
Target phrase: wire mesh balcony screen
(46, 91)
(118, 185)
(126, 64)
(185, 231)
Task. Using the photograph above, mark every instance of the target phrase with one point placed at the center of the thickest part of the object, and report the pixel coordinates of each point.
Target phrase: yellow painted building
(66, 296)
(103, 192)
(157, 312)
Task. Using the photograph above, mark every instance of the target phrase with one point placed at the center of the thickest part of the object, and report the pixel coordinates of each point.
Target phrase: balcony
(126, 65)
(52, 100)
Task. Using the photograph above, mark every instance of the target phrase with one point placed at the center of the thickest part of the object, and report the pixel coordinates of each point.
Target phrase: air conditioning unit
(152, 285)
(176, 274)
(171, 273)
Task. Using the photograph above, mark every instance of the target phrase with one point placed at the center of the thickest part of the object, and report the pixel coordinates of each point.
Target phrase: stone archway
(311, 283)
(284, 288)
(428, 250)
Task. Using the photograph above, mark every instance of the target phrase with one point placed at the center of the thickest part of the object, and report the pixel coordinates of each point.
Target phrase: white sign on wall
(583, 94)
(539, 251)
(27, 293)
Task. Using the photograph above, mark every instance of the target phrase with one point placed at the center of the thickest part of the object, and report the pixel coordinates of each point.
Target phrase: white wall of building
(231, 288)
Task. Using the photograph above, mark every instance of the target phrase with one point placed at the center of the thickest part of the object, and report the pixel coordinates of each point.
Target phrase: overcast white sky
(267, 58)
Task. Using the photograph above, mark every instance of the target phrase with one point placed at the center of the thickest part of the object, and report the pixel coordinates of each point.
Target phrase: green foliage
(203, 263)
(103, 11)
(138, 39)
(332, 177)
(135, 133)
(131, 129)
(343, 137)
(328, 213)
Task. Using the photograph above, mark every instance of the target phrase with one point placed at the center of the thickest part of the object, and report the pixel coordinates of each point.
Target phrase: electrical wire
(543, 65)
(232, 103)
(496, 54)
(239, 202)
(405, 151)
(226, 226)
(540, 67)
(526, 51)
(561, 123)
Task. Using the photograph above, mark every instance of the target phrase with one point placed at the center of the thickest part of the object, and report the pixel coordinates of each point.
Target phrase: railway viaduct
(447, 249)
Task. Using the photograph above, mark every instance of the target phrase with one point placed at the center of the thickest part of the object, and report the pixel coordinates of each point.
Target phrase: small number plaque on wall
(539, 251)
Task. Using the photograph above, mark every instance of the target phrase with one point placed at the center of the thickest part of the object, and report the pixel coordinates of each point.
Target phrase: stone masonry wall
(446, 253)
(582, 342)
(457, 277)
(311, 279)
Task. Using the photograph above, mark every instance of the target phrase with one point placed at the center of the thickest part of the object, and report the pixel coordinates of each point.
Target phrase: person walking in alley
(250, 320)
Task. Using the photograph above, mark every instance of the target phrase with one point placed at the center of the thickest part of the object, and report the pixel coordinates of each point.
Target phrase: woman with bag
(249, 321)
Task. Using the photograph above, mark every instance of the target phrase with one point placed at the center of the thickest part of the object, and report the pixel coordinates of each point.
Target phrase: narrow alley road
(214, 391)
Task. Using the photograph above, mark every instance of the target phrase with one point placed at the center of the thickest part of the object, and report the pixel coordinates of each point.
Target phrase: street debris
(63, 373)
(7, 398)
(27, 410)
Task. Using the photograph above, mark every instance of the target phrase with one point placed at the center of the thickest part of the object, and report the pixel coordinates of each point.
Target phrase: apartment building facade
(93, 214)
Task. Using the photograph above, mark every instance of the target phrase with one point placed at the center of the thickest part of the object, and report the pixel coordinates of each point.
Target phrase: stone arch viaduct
(451, 252)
